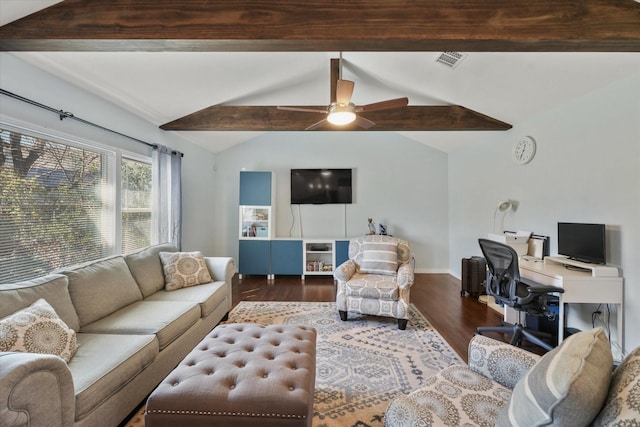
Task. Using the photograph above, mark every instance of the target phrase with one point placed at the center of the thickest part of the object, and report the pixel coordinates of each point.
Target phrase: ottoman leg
(343, 315)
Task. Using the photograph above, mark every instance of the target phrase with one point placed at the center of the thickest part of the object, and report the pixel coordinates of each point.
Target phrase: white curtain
(167, 197)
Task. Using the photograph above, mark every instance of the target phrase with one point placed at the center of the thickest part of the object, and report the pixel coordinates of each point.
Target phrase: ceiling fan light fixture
(341, 114)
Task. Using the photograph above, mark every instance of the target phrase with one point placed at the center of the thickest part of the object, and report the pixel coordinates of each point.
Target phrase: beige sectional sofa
(131, 333)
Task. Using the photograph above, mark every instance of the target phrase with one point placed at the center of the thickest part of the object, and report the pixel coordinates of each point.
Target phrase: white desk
(579, 286)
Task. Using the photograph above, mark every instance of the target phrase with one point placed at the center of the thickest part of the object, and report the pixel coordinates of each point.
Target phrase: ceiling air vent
(451, 59)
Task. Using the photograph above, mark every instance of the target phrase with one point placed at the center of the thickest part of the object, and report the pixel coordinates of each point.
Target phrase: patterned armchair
(504, 385)
(465, 395)
(376, 278)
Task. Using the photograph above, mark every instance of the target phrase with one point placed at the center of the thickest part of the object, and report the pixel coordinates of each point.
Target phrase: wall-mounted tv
(582, 242)
(320, 186)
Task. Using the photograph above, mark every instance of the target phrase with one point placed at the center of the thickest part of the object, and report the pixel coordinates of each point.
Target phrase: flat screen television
(582, 242)
(320, 186)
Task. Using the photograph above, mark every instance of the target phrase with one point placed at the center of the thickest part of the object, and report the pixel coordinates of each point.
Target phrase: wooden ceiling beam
(328, 25)
(269, 118)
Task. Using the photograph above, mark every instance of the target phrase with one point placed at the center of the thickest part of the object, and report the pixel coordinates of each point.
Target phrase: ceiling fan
(341, 111)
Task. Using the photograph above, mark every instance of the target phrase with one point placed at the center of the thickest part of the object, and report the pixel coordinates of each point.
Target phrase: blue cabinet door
(342, 251)
(254, 257)
(255, 188)
(286, 257)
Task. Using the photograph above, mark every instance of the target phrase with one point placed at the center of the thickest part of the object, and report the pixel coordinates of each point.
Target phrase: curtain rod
(67, 115)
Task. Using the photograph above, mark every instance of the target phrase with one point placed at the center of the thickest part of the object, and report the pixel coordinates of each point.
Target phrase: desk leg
(620, 315)
(561, 320)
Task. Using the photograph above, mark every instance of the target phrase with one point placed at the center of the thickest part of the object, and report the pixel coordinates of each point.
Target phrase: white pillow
(183, 269)
(37, 329)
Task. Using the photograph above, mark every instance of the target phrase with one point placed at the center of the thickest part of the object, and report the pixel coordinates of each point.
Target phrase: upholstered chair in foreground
(504, 385)
(376, 278)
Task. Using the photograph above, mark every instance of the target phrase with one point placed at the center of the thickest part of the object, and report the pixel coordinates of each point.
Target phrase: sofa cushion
(54, 288)
(37, 329)
(380, 257)
(166, 319)
(209, 296)
(566, 387)
(183, 269)
(101, 287)
(104, 363)
(146, 267)
(622, 406)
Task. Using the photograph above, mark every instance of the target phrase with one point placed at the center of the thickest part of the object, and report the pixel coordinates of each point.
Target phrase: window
(57, 204)
(136, 204)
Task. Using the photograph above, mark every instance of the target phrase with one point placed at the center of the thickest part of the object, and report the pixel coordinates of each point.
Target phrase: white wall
(587, 169)
(25, 80)
(397, 181)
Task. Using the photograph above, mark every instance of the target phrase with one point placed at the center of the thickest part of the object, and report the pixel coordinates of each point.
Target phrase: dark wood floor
(437, 296)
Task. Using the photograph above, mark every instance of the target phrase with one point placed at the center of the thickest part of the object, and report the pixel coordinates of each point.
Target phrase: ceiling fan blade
(306, 110)
(344, 90)
(364, 123)
(317, 124)
(384, 105)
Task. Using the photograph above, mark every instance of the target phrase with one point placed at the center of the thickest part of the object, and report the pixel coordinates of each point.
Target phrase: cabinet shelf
(319, 257)
(255, 222)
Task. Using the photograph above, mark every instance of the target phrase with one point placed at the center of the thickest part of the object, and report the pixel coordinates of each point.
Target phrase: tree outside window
(56, 205)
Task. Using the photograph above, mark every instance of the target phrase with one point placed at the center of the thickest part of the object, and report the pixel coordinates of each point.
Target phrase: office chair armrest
(542, 289)
(499, 361)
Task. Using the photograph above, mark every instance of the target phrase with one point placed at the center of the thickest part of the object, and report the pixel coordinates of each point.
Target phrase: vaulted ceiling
(164, 60)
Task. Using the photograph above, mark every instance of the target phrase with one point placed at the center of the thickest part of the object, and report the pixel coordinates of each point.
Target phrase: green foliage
(50, 213)
(56, 205)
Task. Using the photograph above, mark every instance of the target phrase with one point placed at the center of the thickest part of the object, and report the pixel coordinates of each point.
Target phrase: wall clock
(524, 150)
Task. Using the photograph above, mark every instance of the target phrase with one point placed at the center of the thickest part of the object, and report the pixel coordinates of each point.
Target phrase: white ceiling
(163, 86)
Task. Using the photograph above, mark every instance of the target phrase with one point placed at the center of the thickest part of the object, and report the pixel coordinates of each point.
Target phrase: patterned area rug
(362, 364)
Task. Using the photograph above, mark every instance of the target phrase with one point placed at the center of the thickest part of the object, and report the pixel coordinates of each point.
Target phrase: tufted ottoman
(241, 375)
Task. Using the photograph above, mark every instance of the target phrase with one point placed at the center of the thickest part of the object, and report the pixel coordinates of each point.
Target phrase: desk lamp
(503, 207)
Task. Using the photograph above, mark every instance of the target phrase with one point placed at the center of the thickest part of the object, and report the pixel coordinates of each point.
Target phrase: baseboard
(432, 271)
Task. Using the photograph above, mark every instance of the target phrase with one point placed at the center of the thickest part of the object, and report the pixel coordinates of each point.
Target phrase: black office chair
(506, 286)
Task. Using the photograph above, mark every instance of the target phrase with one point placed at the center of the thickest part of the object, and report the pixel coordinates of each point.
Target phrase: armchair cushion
(566, 387)
(380, 257)
(455, 396)
(622, 406)
(374, 286)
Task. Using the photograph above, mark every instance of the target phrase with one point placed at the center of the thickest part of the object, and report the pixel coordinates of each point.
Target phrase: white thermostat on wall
(524, 150)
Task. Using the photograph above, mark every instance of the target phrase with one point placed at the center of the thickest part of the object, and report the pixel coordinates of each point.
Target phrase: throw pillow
(566, 387)
(37, 329)
(183, 269)
(380, 258)
(623, 403)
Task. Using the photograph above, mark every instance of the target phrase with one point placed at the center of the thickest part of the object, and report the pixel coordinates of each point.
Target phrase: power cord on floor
(598, 318)
(604, 319)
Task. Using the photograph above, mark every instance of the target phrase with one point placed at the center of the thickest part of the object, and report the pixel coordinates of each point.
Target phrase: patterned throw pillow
(623, 403)
(379, 258)
(183, 269)
(37, 329)
(566, 387)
